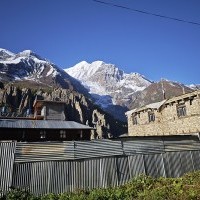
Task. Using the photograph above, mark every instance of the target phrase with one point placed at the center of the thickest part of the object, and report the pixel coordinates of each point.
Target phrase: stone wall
(167, 121)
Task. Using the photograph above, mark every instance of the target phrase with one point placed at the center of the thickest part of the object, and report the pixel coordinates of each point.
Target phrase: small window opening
(135, 120)
(151, 116)
(62, 134)
(181, 110)
(42, 134)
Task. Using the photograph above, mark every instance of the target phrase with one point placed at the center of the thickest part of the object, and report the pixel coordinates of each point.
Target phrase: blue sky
(69, 31)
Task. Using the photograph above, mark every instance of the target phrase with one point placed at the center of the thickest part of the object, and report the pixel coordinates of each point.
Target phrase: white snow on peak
(97, 62)
(32, 66)
(105, 80)
(31, 54)
(22, 56)
(7, 52)
(26, 53)
(82, 70)
(53, 72)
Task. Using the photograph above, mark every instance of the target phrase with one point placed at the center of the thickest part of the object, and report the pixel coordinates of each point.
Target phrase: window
(134, 118)
(42, 134)
(181, 110)
(62, 134)
(151, 116)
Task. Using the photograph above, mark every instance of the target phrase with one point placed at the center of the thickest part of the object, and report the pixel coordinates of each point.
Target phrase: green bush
(140, 188)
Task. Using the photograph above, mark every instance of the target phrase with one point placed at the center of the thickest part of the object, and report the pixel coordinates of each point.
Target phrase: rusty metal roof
(41, 124)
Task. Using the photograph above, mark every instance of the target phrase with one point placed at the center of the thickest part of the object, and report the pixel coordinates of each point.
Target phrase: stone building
(175, 116)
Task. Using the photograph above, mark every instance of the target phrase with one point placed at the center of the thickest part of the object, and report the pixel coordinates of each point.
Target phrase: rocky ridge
(28, 68)
(158, 91)
(105, 84)
(80, 109)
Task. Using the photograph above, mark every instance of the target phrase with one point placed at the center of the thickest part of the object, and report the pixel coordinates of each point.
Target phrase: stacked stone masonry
(167, 119)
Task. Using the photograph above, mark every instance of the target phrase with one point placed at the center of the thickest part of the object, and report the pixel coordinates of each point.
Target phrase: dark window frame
(151, 116)
(63, 134)
(134, 119)
(181, 110)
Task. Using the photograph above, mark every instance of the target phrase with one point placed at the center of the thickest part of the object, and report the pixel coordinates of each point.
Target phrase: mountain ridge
(27, 66)
(107, 79)
(105, 84)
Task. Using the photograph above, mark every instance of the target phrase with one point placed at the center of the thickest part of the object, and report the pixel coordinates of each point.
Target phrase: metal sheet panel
(97, 148)
(136, 165)
(196, 159)
(182, 146)
(123, 171)
(158, 165)
(186, 161)
(63, 167)
(174, 163)
(108, 172)
(67, 176)
(41, 124)
(22, 175)
(7, 150)
(41, 151)
(149, 163)
(143, 146)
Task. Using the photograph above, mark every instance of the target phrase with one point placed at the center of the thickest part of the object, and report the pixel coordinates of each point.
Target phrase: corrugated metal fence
(7, 150)
(62, 167)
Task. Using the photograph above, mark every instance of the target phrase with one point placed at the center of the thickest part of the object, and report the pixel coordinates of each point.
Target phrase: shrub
(140, 188)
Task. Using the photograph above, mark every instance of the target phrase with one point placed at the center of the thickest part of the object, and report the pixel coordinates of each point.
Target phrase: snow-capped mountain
(110, 87)
(28, 67)
(108, 84)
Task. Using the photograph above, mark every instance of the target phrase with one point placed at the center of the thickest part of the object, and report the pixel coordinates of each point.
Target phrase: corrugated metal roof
(41, 124)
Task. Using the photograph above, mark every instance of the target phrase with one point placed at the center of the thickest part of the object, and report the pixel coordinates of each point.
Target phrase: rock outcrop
(19, 103)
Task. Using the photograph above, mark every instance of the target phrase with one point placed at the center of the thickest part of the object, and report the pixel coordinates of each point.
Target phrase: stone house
(176, 116)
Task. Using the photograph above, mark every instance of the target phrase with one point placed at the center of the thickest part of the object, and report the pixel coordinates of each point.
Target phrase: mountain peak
(29, 53)
(98, 62)
(5, 52)
(107, 83)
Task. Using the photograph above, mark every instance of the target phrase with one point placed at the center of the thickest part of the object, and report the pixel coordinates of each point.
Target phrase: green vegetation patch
(140, 188)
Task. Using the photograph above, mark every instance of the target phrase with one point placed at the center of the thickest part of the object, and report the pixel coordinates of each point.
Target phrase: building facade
(48, 123)
(175, 116)
(49, 110)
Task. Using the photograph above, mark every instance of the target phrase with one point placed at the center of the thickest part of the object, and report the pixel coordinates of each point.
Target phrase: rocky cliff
(18, 102)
